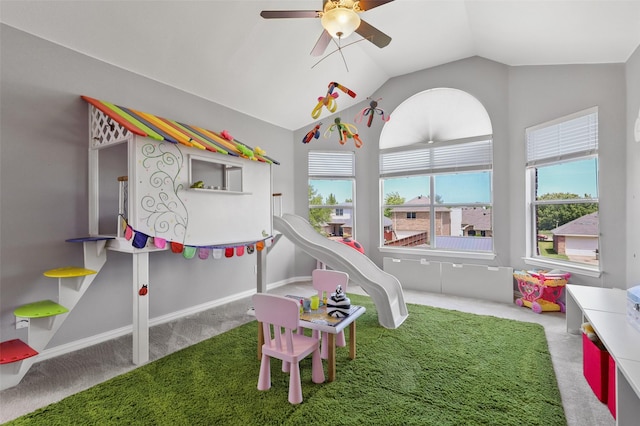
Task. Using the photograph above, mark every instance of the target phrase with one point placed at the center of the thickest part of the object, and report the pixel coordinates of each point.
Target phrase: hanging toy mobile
(371, 110)
(329, 100)
(346, 130)
(313, 133)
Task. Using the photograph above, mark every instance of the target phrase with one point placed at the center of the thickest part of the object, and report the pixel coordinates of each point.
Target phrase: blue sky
(340, 188)
(453, 188)
(578, 177)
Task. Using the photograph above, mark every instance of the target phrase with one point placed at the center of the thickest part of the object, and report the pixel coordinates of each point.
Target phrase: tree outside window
(331, 193)
(562, 180)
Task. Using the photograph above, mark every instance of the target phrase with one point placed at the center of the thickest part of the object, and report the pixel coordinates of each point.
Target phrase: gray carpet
(54, 379)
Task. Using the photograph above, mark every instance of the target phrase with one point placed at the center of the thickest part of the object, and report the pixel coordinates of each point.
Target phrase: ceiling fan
(339, 18)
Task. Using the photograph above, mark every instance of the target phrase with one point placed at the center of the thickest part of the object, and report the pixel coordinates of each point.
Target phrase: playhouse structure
(171, 181)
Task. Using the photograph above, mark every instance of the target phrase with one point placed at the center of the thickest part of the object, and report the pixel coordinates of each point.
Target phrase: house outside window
(331, 192)
(562, 191)
(438, 196)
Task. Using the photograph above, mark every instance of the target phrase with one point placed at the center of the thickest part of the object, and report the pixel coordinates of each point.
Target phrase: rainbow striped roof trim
(162, 129)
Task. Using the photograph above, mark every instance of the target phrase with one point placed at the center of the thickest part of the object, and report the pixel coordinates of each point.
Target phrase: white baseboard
(123, 331)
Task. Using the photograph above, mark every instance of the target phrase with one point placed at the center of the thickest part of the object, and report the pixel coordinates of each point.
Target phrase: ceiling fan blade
(373, 34)
(370, 4)
(276, 14)
(321, 44)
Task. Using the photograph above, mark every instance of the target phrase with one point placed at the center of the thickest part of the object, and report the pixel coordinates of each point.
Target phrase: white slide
(384, 288)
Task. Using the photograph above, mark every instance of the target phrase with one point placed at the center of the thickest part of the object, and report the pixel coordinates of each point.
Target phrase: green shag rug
(439, 368)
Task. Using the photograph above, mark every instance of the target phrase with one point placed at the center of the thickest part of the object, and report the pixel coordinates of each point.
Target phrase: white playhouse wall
(162, 204)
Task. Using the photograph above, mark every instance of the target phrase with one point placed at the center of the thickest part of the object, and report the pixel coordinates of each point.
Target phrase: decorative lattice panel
(105, 131)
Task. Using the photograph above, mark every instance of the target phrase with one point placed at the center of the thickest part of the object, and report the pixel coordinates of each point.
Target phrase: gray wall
(43, 172)
(515, 98)
(541, 93)
(44, 190)
(632, 253)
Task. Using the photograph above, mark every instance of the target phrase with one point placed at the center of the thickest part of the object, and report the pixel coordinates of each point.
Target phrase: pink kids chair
(277, 313)
(326, 280)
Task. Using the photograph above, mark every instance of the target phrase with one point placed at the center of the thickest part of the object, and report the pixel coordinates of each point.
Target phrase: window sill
(440, 253)
(573, 268)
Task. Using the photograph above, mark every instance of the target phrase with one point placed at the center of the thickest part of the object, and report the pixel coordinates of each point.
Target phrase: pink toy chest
(611, 388)
(595, 367)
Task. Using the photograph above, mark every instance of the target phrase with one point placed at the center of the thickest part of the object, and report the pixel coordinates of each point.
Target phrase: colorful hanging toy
(347, 131)
(244, 151)
(313, 133)
(329, 100)
(371, 110)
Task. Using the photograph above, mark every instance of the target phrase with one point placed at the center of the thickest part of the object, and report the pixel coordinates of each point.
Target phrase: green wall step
(69, 272)
(14, 351)
(41, 309)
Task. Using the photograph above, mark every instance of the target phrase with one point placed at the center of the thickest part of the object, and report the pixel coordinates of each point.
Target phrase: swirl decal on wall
(167, 213)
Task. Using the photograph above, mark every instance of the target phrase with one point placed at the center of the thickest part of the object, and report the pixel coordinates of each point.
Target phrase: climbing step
(41, 309)
(86, 239)
(14, 351)
(69, 272)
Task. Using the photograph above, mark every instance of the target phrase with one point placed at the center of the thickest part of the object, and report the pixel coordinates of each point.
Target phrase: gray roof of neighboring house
(584, 225)
(464, 243)
(478, 217)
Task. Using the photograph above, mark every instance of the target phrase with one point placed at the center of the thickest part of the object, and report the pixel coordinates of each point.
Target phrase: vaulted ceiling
(223, 51)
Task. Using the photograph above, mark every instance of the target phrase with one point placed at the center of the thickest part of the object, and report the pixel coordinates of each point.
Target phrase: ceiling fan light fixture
(340, 22)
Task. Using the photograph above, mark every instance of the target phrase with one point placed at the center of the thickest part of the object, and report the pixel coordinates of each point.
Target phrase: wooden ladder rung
(14, 351)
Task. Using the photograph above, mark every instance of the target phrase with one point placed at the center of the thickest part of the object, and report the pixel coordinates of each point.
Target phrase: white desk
(605, 309)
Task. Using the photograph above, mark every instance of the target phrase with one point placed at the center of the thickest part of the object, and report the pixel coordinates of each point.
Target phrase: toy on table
(347, 131)
(339, 304)
(371, 110)
(329, 100)
(541, 290)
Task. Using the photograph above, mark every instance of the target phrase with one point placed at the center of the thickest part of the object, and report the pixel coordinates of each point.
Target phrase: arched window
(436, 161)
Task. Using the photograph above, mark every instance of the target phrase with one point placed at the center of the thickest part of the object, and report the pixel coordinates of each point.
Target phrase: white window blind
(568, 137)
(476, 155)
(334, 164)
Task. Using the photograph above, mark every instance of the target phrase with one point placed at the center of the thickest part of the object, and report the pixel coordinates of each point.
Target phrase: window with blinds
(562, 177)
(328, 163)
(331, 192)
(459, 157)
(438, 197)
(573, 136)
